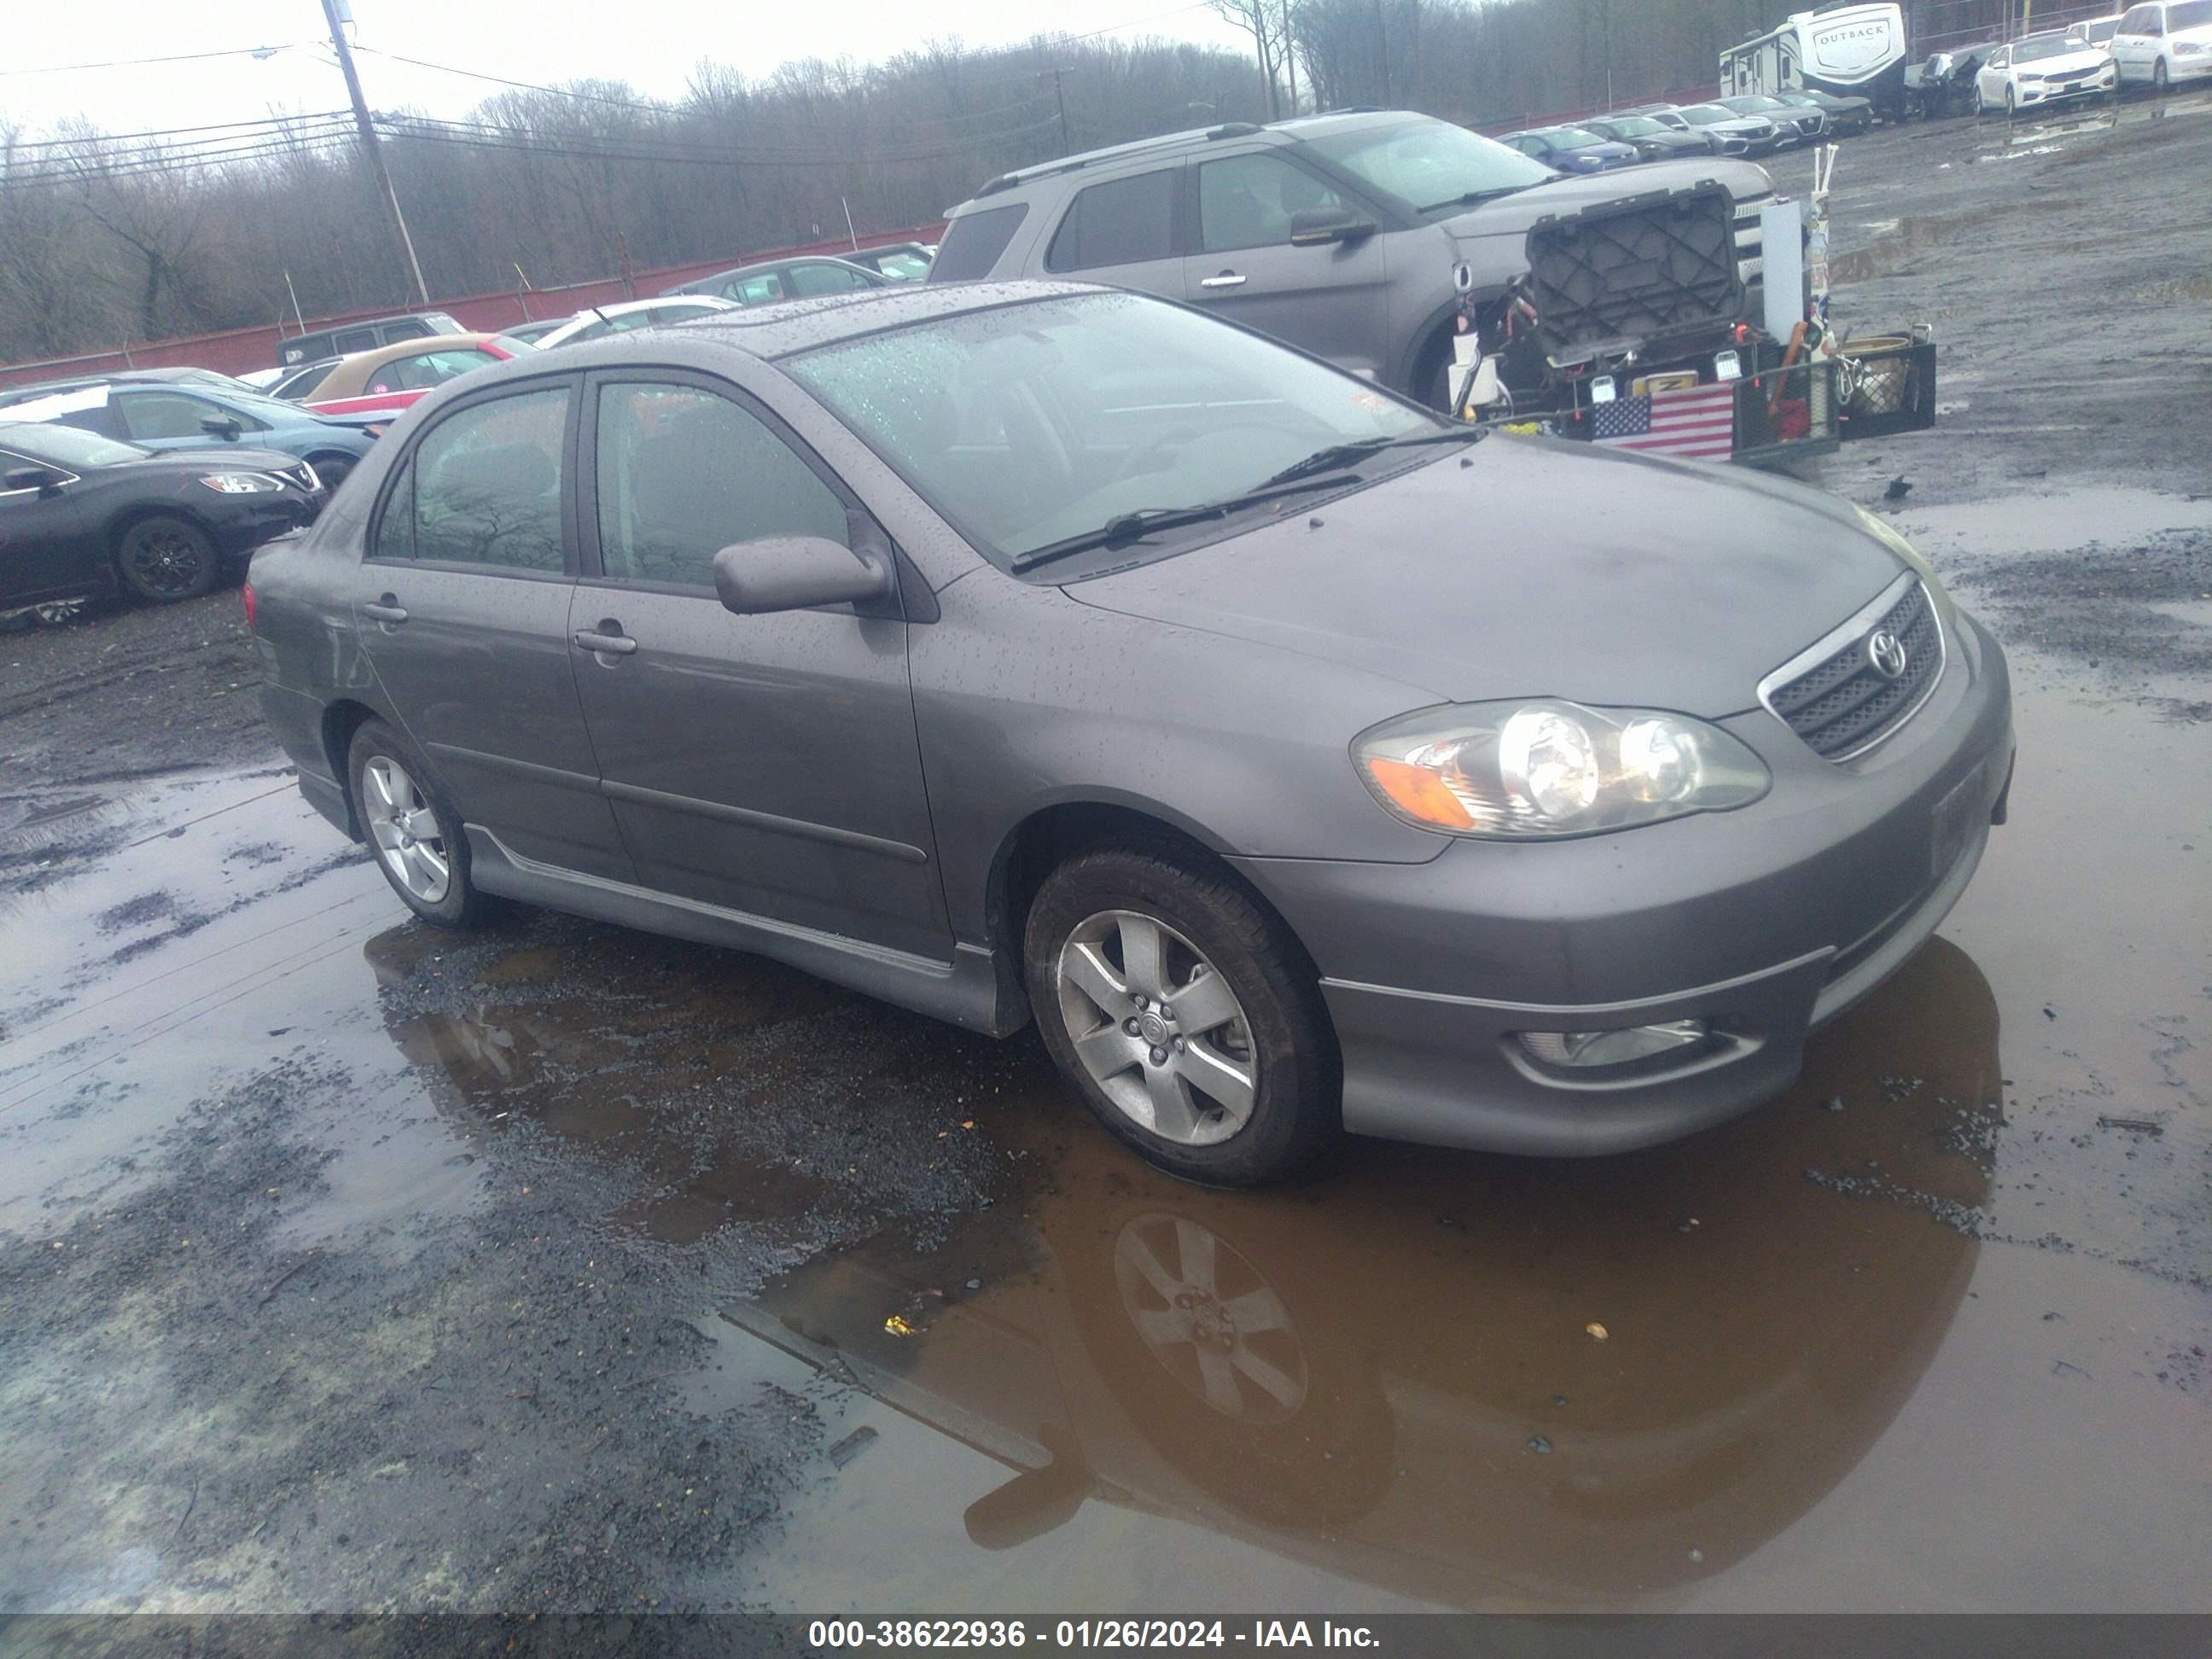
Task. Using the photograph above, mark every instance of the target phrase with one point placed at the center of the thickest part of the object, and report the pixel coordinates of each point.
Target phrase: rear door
(462, 607)
(1331, 299)
(764, 764)
(1125, 232)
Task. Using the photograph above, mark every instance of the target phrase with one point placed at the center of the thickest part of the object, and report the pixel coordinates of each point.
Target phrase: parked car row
(2159, 44)
(1750, 125)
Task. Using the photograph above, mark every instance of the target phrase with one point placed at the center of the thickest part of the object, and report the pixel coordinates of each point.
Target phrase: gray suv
(1338, 233)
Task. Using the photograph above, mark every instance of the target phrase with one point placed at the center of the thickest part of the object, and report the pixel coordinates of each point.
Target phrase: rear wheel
(418, 839)
(164, 558)
(1183, 1015)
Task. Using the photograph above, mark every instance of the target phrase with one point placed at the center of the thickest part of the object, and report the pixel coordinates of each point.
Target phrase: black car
(1653, 142)
(85, 517)
(1847, 117)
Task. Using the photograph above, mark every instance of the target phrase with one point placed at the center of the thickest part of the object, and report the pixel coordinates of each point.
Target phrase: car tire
(2159, 82)
(1239, 1094)
(2012, 105)
(395, 803)
(165, 559)
(332, 470)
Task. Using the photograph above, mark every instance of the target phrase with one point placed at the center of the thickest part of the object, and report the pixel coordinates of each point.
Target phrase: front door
(766, 764)
(1332, 300)
(462, 607)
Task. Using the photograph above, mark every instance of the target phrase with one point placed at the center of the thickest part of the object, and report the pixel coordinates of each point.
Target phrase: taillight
(246, 594)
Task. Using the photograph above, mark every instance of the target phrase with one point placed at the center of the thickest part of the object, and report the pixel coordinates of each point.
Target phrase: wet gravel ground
(345, 1266)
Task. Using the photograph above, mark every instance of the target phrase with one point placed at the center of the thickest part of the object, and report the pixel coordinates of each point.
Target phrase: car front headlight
(1891, 537)
(2190, 48)
(241, 484)
(1545, 767)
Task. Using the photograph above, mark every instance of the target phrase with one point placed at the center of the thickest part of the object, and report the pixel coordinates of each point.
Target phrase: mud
(348, 1266)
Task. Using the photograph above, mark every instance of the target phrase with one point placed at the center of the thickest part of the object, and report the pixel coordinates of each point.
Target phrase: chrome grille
(1836, 698)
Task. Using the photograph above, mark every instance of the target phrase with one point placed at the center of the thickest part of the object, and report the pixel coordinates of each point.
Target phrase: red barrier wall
(241, 350)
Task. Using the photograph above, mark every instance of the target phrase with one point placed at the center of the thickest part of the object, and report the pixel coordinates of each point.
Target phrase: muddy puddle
(488, 1250)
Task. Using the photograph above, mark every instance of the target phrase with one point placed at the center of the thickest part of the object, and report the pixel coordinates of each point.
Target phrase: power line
(173, 58)
(734, 153)
(265, 122)
(523, 145)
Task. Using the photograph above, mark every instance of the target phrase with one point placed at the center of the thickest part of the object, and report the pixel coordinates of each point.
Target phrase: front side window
(486, 487)
(1123, 221)
(426, 369)
(683, 473)
(151, 415)
(825, 278)
(1249, 201)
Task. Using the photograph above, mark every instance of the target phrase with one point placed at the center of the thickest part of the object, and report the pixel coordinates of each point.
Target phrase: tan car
(374, 387)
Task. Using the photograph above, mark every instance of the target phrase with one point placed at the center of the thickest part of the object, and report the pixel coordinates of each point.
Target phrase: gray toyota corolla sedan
(1297, 760)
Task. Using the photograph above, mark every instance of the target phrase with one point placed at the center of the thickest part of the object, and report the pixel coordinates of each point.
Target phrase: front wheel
(2158, 77)
(1183, 1014)
(164, 559)
(331, 470)
(418, 839)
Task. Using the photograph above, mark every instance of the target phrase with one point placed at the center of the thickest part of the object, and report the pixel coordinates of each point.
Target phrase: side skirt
(969, 991)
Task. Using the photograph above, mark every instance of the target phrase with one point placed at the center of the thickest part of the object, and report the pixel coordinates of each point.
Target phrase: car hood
(1511, 215)
(2066, 63)
(235, 458)
(1541, 567)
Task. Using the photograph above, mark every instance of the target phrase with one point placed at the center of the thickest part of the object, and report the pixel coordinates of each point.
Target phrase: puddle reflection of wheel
(1263, 1403)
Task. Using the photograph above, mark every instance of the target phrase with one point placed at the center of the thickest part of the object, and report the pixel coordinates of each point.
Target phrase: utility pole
(1066, 144)
(375, 156)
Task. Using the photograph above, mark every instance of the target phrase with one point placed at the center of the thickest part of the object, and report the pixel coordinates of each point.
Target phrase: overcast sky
(652, 44)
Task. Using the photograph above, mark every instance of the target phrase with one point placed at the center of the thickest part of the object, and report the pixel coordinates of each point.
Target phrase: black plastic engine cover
(1639, 273)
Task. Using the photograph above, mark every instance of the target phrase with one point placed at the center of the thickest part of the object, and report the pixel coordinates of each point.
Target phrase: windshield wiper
(1344, 454)
(1135, 525)
(1475, 197)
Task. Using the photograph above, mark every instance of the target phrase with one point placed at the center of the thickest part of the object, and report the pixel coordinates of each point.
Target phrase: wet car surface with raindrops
(347, 1264)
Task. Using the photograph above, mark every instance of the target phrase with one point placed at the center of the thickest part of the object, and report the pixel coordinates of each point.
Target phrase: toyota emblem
(1887, 653)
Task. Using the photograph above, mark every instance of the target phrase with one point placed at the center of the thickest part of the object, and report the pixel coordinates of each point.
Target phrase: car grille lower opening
(1845, 703)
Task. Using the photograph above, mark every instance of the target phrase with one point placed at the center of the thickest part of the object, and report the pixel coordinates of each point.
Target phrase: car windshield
(2045, 46)
(1704, 115)
(1028, 424)
(2188, 15)
(65, 445)
(903, 267)
(1571, 138)
(1430, 166)
(1634, 127)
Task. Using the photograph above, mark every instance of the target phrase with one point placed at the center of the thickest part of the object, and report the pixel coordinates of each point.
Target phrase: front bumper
(251, 520)
(2034, 93)
(1764, 923)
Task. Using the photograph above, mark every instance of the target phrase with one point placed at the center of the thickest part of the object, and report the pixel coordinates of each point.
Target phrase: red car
(374, 387)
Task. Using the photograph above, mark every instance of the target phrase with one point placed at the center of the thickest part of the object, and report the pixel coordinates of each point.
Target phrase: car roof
(766, 265)
(1167, 143)
(790, 326)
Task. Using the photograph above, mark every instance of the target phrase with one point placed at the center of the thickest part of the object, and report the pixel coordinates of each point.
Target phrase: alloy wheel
(166, 560)
(405, 830)
(1210, 1319)
(1157, 1028)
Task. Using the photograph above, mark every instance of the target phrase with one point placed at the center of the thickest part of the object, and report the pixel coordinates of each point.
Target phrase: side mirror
(1319, 226)
(795, 573)
(32, 477)
(222, 425)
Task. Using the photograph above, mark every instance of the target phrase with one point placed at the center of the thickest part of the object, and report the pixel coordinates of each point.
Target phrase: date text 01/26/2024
(826, 1634)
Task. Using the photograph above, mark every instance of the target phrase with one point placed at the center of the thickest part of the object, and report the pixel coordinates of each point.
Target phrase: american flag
(1696, 421)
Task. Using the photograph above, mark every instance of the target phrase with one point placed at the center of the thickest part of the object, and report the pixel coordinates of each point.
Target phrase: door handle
(387, 611)
(1227, 279)
(616, 645)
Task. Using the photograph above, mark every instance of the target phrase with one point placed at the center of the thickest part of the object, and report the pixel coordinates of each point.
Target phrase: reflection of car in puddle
(1461, 1378)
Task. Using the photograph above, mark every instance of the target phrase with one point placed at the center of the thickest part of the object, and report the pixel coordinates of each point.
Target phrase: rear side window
(410, 329)
(483, 487)
(683, 473)
(973, 241)
(1124, 222)
(351, 340)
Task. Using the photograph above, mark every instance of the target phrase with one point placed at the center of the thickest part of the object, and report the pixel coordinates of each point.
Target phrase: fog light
(1615, 1048)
